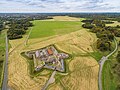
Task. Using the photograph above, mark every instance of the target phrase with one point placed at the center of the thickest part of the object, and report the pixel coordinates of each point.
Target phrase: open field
(113, 24)
(50, 28)
(65, 18)
(107, 77)
(2, 54)
(82, 73)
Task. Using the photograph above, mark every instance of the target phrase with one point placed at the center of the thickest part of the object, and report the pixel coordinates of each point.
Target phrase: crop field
(82, 69)
(50, 28)
(2, 54)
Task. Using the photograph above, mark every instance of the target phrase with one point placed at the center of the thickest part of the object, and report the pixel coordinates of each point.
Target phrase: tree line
(17, 28)
(105, 34)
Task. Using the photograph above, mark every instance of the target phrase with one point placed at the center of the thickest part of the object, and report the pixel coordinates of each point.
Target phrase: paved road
(51, 80)
(101, 63)
(4, 86)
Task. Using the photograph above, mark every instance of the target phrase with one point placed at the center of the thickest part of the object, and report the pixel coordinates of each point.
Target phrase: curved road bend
(101, 63)
(4, 85)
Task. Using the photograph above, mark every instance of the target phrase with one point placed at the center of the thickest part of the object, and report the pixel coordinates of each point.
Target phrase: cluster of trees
(105, 34)
(116, 70)
(103, 44)
(118, 56)
(1, 26)
(18, 28)
(88, 25)
(118, 26)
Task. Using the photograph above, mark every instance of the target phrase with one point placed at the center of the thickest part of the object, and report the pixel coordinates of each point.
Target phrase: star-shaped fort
(48, 57)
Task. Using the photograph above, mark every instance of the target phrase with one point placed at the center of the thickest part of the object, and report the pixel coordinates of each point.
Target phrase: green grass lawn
(2, 54)
(96, 55)
(107, 77)
(50, 28)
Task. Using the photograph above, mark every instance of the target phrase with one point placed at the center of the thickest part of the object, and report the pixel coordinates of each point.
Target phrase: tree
(118, 56)
(18, 28)
(88, 26)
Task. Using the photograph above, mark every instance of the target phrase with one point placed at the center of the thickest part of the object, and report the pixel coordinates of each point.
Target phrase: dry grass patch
(114, 24)
(55, 87)
(19, 78)
(65, 18)
(84, 74)
(79, 40)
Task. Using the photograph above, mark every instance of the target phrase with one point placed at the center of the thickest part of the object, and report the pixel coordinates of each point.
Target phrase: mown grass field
(50, 28)
(2, 54)
(107, 77)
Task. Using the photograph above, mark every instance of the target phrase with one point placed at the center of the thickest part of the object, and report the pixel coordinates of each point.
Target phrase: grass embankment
(2, 55)
(50, 28)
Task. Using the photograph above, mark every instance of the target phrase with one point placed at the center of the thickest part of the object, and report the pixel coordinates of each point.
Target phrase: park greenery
(18, 28)
(105, 34)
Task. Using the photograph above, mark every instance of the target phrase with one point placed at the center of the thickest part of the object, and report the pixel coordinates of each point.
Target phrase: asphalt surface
(51, 79)
(5, 78)
(101, 63)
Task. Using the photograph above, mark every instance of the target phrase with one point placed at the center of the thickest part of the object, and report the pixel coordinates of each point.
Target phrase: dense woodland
(1, 24)
(18, 28)
(105, 34)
